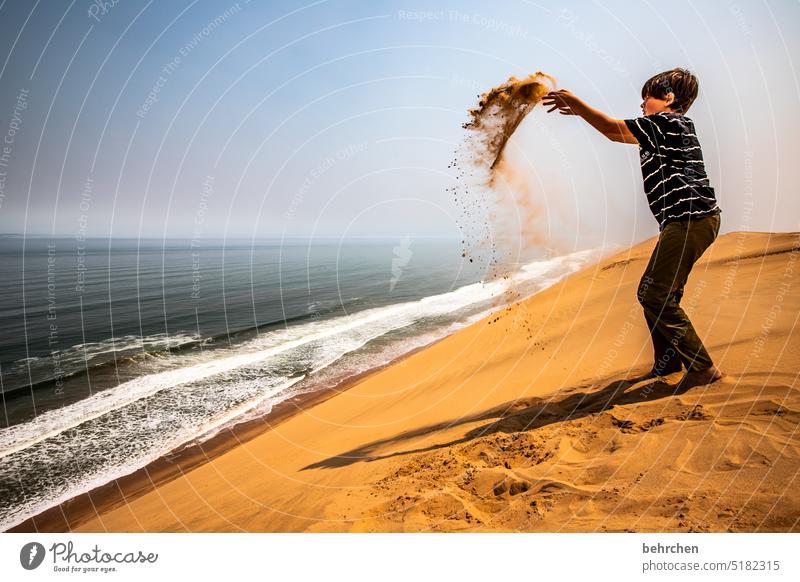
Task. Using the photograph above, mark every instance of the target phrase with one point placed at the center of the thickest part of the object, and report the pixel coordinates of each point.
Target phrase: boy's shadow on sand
(516, 416)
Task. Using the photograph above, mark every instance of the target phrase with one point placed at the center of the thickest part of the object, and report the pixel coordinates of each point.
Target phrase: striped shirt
(675, 179)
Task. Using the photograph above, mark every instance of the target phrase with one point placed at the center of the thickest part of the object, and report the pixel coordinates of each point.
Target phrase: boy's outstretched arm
(569, 104)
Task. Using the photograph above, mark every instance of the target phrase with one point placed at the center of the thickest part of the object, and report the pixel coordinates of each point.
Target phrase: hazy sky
(339, 118)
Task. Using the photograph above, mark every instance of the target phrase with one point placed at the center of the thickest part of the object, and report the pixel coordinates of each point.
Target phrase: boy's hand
(563, 100)
(568, 104)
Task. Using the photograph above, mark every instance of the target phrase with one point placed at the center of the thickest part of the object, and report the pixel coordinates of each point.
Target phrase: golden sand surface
(532, 420)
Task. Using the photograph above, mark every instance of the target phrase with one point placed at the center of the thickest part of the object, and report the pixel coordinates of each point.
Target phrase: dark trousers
(679, 245)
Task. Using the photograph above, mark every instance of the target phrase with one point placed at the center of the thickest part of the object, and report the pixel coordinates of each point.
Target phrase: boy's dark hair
(679, 82)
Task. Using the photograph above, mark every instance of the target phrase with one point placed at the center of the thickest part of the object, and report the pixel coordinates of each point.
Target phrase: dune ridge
(529, 421)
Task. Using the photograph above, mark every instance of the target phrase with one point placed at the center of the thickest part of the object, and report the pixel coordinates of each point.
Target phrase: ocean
(114, 352)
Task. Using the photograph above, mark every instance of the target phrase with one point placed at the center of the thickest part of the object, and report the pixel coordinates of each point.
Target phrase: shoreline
(172, 465)
(499, 427)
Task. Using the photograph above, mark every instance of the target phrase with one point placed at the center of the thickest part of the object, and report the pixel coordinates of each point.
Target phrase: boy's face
(651, 105)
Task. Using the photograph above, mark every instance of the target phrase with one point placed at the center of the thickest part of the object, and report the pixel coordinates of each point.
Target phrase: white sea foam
(82, 356)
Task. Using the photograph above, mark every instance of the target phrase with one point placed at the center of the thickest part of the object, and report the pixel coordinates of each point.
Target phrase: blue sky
(338, 118)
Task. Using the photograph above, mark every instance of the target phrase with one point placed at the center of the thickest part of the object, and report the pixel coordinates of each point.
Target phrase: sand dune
(525, 422)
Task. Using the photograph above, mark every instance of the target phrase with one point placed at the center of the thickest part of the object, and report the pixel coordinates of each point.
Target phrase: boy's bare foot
(664, 371)
(700, 377)
(654, 372)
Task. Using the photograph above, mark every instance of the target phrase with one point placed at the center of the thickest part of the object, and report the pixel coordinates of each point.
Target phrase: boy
(683, 203)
